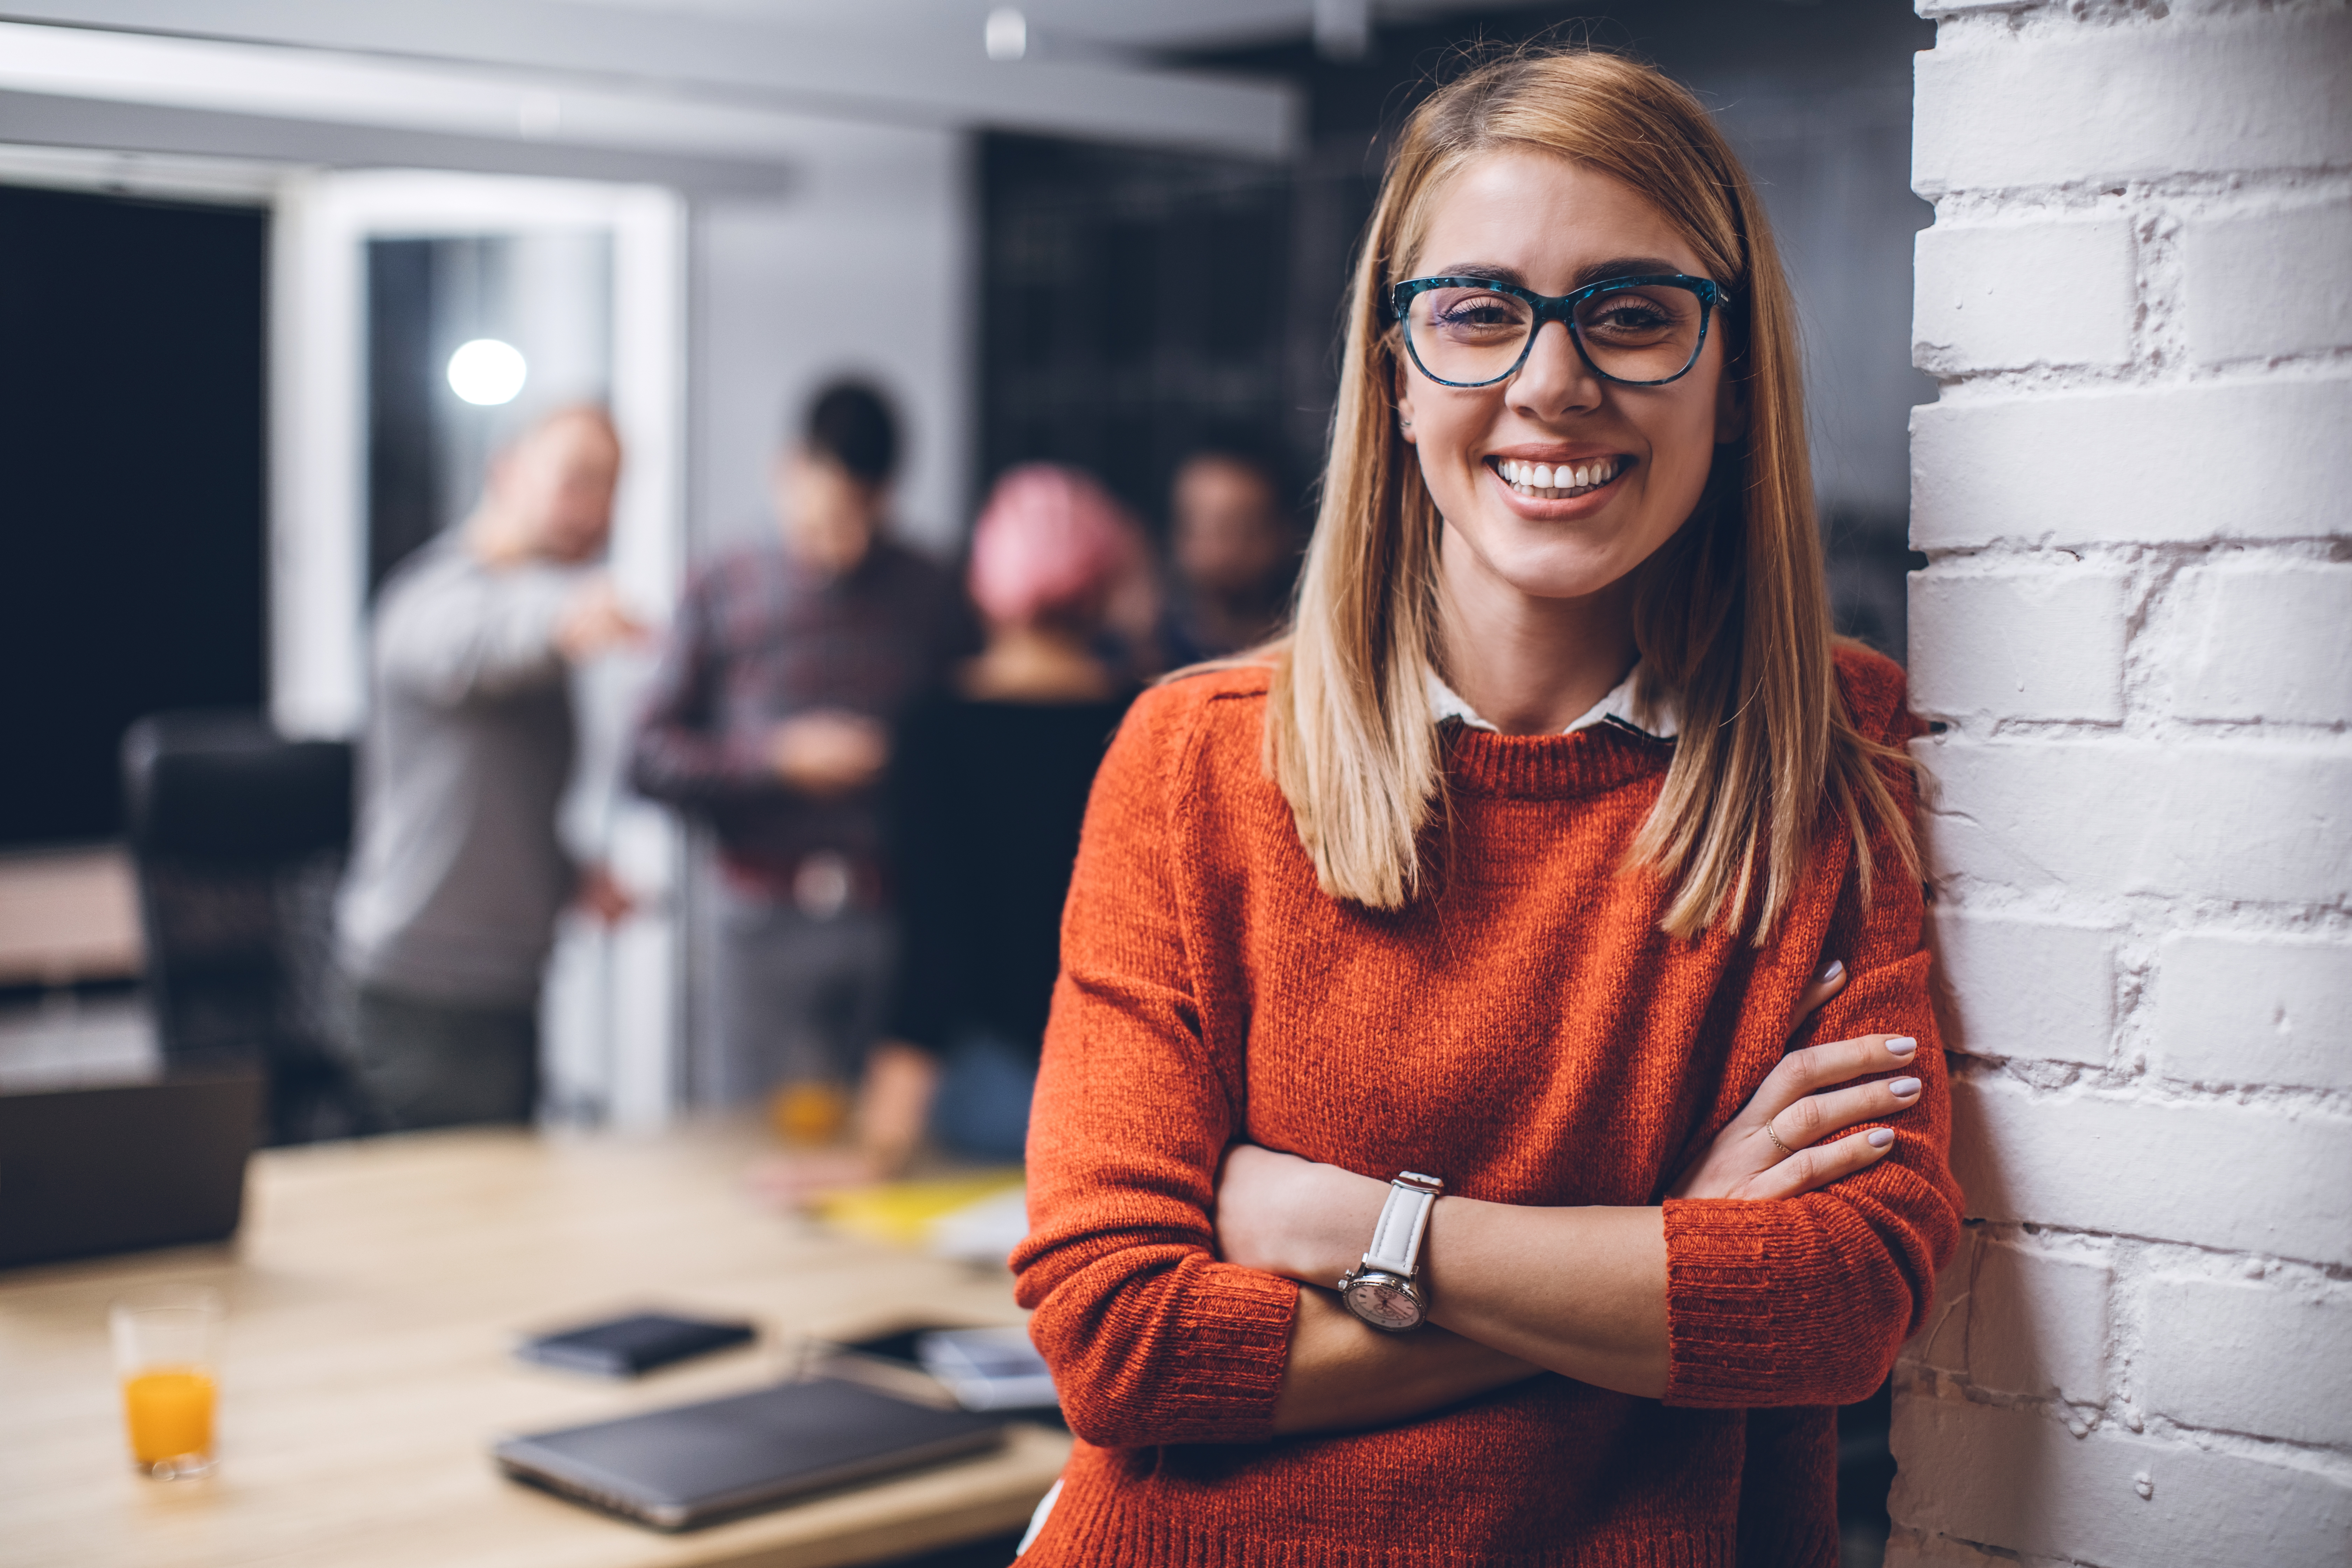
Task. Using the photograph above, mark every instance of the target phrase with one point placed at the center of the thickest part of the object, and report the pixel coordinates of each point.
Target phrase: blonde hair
(1731, 615)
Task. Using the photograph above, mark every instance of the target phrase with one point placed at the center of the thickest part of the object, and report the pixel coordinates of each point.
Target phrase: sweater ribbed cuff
(1234, 1334)
(1738, 1275)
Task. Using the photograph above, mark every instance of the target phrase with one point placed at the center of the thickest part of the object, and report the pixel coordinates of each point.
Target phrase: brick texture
(2303, 303)
(2135, 630)
(2230, 460)
(2038, 989)
(2212, 1174)
(2239, 1009)
(2266, 640)
(2247, 1356)
(2195, 818)
(2140, 104)
(1908, 1551)
(2042, 293)
(2038, 1323)
(2052, 642)
(1979, 1473)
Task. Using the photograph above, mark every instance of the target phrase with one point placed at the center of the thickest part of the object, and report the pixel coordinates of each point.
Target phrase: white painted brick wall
(2130, 464)
(2036, 989)
(2003, 108)
(2134, 636)
(1978, 1473)
(2266, 640)
(2211, 1348)
(2231, 1008)
(2207, 1170)
(2147, 816)
(2038, 1323)
(2053, 637)
(2303, 301)
(2046, 293)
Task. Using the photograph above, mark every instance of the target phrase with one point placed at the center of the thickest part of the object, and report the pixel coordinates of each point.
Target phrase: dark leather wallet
(625, 1347)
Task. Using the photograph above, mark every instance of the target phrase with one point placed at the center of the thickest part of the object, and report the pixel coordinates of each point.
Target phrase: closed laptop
(695, 1464)
(114, 1167)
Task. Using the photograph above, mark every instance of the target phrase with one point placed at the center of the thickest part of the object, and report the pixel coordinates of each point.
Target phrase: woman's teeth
(1545, 482)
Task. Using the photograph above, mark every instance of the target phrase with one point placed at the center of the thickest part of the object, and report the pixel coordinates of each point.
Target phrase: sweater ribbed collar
(1604, 749)
(1622, 705)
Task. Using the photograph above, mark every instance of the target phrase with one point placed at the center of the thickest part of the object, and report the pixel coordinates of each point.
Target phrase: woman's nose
(1554, 378)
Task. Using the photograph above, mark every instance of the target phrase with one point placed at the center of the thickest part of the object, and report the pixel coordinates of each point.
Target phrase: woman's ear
(1404, 405)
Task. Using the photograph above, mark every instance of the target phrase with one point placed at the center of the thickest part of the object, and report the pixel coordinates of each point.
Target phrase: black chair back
(240, 836)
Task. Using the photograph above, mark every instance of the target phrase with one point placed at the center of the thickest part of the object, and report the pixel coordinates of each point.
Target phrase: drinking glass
(166, 1351)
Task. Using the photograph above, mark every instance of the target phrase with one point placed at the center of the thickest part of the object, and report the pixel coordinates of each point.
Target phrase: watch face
(1383, 1302)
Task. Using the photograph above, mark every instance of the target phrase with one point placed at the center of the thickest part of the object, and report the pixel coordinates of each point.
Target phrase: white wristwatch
(1381, 1288)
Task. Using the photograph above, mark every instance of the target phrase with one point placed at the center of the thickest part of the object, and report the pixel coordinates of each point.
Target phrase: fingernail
(1904, 1087)
(1830, 972)
(1901, 1046)
(1880, 1137)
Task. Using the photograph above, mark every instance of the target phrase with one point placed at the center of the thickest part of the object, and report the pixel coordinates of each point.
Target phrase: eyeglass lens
(1646, 332)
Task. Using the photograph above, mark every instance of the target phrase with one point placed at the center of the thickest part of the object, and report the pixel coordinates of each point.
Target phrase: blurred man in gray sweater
(447, 917)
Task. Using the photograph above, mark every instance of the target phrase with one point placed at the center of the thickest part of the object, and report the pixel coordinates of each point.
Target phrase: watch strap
(1404, 1220)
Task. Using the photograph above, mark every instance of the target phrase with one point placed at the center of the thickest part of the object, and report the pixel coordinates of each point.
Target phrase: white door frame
(318, 366)
(613, 1007)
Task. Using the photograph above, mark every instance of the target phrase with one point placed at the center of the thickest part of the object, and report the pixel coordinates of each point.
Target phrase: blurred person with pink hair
(987, 793)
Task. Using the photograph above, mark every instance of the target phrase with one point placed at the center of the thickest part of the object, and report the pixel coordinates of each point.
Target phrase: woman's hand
(1307, 1222)
(1773, 1148)
(1291, 1216)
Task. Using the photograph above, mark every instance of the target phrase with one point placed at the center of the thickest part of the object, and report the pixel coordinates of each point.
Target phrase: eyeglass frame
(1562, 308)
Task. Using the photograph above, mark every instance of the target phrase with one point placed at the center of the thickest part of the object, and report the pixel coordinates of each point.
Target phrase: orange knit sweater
(1522, 1030)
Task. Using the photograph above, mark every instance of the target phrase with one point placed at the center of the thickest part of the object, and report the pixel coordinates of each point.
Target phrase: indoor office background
(1095, 301)
(1137, 302)
(1033, 284)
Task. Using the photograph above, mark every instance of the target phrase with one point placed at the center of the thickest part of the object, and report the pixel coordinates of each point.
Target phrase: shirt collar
(1622, 706)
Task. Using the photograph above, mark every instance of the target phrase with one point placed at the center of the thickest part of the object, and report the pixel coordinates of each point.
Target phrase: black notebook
(625, 1347)
(696, 1463)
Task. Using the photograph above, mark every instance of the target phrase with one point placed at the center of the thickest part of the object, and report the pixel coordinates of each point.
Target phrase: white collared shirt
(1661, 723)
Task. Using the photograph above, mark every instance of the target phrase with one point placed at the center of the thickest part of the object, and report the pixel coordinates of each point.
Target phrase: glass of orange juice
(166, 1348)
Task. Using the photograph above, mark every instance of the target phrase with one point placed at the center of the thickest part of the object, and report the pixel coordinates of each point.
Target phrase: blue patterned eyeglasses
(1476, 331)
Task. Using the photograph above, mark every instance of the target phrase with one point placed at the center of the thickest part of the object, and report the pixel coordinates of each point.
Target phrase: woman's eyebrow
(1593, 272)
(1486, 272)
(1626, 267)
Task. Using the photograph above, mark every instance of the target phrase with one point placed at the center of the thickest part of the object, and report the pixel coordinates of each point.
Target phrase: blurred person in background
(770, 720)
(1236, 553)
(988, 791)
(445, 923)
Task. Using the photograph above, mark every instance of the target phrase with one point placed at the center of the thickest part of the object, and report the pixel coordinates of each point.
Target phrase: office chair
(239, 837)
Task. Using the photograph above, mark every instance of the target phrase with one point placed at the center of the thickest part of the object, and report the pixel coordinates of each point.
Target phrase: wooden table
(372, 1298)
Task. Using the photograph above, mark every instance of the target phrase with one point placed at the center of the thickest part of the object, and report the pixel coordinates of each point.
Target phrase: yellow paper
(902, 1213)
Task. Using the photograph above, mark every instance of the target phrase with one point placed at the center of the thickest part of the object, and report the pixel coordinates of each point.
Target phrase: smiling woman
(1441, 1150)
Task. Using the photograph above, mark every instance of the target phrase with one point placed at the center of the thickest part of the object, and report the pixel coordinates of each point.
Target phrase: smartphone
(988, 1369)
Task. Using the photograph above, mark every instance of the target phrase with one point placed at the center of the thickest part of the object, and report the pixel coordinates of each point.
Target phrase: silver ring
(1784, 1149)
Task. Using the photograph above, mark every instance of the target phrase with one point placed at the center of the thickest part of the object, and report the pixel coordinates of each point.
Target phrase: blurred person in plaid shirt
(769, 720)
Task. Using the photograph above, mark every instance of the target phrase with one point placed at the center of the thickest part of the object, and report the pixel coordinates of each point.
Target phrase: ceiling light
(1007, 34)
(488, 372)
